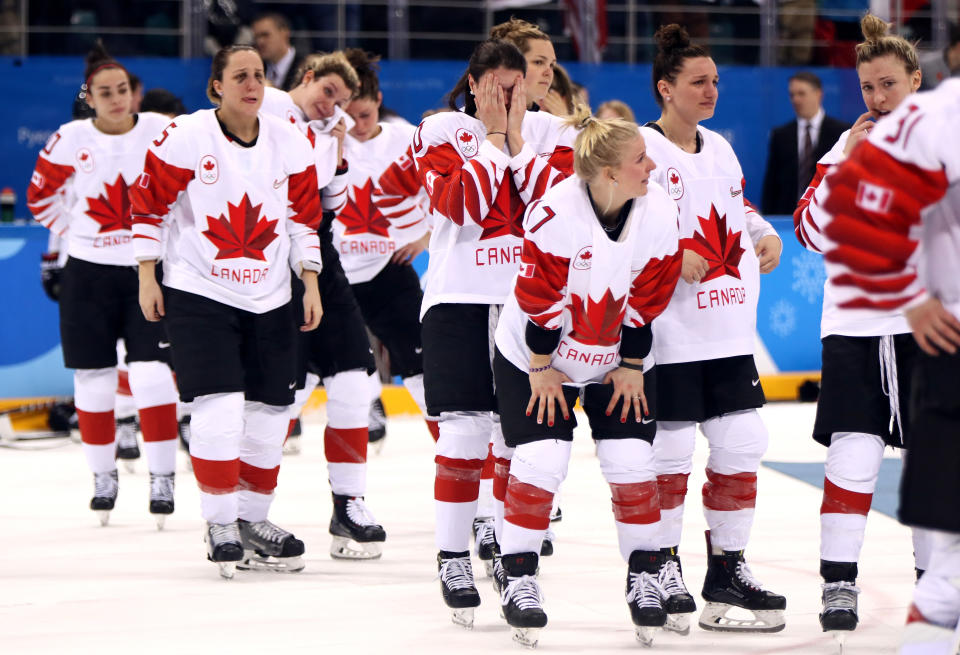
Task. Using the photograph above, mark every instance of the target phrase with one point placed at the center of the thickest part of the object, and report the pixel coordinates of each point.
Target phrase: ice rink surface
(71, 586)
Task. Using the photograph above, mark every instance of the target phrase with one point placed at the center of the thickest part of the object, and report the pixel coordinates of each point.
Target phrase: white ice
(69, 586)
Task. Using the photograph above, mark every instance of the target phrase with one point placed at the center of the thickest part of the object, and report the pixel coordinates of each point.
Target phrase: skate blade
(161, 520)
(104, 516)
(678, 623)
(488, 567)
(841, 637)
(714, 617)
(292, 446)
(347, 548)
(462, 616)
(526, 637)
(645, 634)
(253, 562)
(227, 569)
(129, 465)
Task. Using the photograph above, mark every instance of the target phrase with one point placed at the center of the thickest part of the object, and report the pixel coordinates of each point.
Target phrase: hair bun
(672, 37)
(873, 28)
(97, 54)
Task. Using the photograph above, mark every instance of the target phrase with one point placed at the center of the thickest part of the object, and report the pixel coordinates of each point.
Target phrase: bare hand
(409, 252)
(694, 267)
(768, 252)
(151, 296)
(312, 306)
(518, 107)
(491, 103)
(553, 103)
(859, 132)
(628, 385)
(545, 388)
(339, 132)
(934, 327)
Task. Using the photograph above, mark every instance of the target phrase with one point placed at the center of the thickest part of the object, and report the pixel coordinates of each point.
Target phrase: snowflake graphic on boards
(783, 318)
(809, 275)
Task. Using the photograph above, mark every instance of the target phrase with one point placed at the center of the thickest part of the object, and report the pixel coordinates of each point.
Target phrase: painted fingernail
(550, 424)
(608, 413)
(623, 420)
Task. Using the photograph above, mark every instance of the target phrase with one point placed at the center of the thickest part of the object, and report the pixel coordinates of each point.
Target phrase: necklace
(677, 142)
(614, 226)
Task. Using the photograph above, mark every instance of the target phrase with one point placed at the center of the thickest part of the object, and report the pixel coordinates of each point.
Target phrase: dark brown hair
(220, 61)
(99, 59)
(366, 67)
(673, 48)
(488, 55)
(810, 78)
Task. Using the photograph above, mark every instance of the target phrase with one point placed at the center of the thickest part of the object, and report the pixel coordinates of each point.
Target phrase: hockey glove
(50, 272)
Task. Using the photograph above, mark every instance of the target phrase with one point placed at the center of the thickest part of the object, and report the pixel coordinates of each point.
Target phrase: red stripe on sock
(728, 493)
(217, 477)
(501, 472)
(346, 445)
(159, 423)
(915, 616)
(637, 503)
(123, 383)
(434, 427)
(261, 481)
(837, 500)
(96, 428)
(672, 489)
(458, 480)
(487, 472)
(293, 422)
(527, 506)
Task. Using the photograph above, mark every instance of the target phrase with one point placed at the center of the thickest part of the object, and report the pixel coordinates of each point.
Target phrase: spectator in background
(616, 109)
(162, 101)
(796, 147)
(939, 65)
(136, 93)
(798, 28)
(271, 33)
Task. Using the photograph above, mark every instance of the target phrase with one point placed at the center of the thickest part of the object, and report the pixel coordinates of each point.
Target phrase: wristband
(503, 133)
(632, 367)
(540, 369)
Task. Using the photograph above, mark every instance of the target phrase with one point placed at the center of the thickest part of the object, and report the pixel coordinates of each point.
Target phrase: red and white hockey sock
(124, 405)
(94, 392)
(922, 545)
(347, 434)
(851, 472)
(673, 454)
(216, 430)
(300, 399)
(672, 489)
(414, 385)
(628, 467)
(937, 594)
(261, 450)
(461, 452)
(536, 471)
(485, 501)
(501, 473)
(156, 397)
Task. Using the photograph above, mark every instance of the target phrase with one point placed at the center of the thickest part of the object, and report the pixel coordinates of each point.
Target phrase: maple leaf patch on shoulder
(597, 323)
(719, 245)
(111, 209)
(243, 234)
(361, 215)
(467, 142)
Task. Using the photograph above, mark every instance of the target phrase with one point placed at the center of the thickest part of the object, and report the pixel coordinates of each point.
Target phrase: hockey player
(481, 168)
(80, 184)
(339, 352)
(234, 192)
(894, 240)
(703, 342)
(867, 358)
(600, 262)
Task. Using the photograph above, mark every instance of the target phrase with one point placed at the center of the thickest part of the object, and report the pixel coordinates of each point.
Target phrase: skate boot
(679, 602)
(291, 445)
(128, 449)
(521, 601)
(921, 637)
(377, 425)
(161, 497)
(356, 534)
(267, 547)
(645, 595)
(484, 542)
(839, 597)
(223, 547)
(498, 576)
(104, 494)
(456, 584)
(546, 546)
(729, 583)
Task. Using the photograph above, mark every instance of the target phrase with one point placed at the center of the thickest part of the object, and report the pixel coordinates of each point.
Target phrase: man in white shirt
(271, 33)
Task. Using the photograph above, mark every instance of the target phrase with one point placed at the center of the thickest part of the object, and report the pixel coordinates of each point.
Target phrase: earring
(615, 183)
(667, 98)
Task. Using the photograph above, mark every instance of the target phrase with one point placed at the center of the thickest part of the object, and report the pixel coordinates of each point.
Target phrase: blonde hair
(600, 143)
(620, 108)
(878, 42)
(325, 63)
(518, 32)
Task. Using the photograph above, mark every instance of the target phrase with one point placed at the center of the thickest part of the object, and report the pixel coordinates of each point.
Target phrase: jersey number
(549, 213)
(893, 138)
(163, 137)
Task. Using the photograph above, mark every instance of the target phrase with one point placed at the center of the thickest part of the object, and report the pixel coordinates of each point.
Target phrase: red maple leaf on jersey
(84, 156)
(111, 209)
(208, 166)
(506, 216)
(719, 245)
(361, 215)
(674, 178)
(597, 324)
(466, 138)
(243, 234)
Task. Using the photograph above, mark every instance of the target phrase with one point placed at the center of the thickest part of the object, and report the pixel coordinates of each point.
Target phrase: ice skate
(679, 603)
(730, 584)
(161, 497)
(498, 576)
(456, 584)
(839, 598)
(377, 429)
(920, 637)
(183, 431)
(546, 546)
(128, 449)
(356, 534)
(521, 601)
(645, 595)
(291, 446)
(223, 547)
(104, 494)
(267, 547)
(484, 542)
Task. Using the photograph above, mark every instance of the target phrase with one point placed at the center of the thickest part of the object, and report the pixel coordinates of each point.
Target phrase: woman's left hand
(628, 385)
(406, 254)
(312, 306)
(768, 252)
(339, 132)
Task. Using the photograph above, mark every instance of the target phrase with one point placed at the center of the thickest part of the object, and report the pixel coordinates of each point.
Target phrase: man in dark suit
(795, 148)
(271, 33)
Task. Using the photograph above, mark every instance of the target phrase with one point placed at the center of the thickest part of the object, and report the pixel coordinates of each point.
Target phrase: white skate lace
(378, 417)
(456, 573)
(485, 534)
(889, 381)
(161, 486)
(269, 532)
(524, 592)
(645, 590)
(670, 579)
(840, 595)
(745, 576)
(105, 484)
(126, 434)
(358, 512)
(550, 535)
(222, 533)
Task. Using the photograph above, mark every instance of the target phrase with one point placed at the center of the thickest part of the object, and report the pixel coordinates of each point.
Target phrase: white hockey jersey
(367, 232)
(478, 195)
(574, 278)
(239, 218)
(809, 223)
(717, 316)
(80, 184)
(898, 195)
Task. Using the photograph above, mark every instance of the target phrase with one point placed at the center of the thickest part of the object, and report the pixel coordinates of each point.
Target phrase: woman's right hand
(151, 297)
(859, 132)
(545, 388)
(491, 103)
(694, 267)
